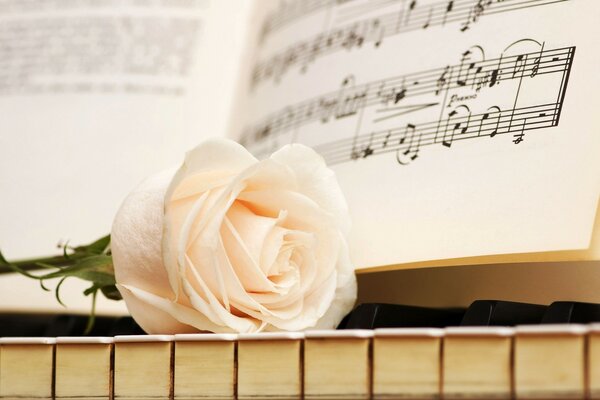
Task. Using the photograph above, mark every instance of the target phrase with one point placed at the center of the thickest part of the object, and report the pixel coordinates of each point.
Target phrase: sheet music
(457, 128)
(96, 95)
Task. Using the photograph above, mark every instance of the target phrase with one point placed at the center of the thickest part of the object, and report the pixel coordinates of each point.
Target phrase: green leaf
(92, 263)
(2, 259)
(44, 288)
(111, 292)
(57, 291)
(98, 247)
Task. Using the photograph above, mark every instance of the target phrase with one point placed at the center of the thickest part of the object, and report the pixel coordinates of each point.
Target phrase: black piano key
(377, 315)
(28, 325)
(53, 325)
(75, 325)
(125, 326)
(502, 313)
(571, 312)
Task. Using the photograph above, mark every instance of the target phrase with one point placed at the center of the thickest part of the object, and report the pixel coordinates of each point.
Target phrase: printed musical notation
(410, 17)
(396, 105)
(408, 140)
(293, 10)
(351, 98)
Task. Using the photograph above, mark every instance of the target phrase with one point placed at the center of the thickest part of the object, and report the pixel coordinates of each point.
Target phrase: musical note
(443, 80)
(412, 151)
(468, 66)
(354, 37)
(426, 24)
(475, 12)
(491, 115)
(387, 138)
(519, 65)
(350, 101)
(449, 8)
(496, 73)
(459, 126)
(379, 32)
(518, 138)
(536, 62)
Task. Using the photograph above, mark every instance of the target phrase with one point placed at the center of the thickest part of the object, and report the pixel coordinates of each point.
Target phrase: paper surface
(94, 97)
(456, 128)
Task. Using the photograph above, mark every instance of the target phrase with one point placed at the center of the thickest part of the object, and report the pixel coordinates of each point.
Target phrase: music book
(461, 131)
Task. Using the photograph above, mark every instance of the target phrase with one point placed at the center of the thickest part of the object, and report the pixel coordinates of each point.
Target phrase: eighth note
(410, 130)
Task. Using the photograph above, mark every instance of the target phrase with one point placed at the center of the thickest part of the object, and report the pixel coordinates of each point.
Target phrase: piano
(490, 349)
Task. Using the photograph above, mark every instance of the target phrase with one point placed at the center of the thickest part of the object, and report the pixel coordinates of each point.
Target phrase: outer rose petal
(345, 293)
(136, 237)
(152, 319)
(135, 245)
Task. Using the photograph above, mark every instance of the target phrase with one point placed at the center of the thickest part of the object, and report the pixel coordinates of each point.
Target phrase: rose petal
(315, 180)
(345, 292)
(252, 278)
(156, 314)
(215, 156)
(252, 229)
(136, 237)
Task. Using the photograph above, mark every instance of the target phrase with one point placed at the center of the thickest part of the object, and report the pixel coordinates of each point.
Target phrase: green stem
(92, 318)
(32, 264)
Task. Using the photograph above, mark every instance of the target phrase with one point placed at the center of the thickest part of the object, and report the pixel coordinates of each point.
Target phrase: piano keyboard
(526, 362)
(535, 361)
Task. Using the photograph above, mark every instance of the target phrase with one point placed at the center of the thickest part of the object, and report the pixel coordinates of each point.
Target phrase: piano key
(550, 362)
(377, 315)
(594, 361)
(571, 312)
(74, 325)
(477, 363)
(205, 366)
(125, 326)
(142, 367)
(83, 367)
(53, 325)
(406, 363)
(270, 365)
(502, 313)
(337, 364)
(26, 368)
(24, 325)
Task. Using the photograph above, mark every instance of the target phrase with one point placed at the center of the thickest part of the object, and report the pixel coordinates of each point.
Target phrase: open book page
(457, 128)
(94, 97)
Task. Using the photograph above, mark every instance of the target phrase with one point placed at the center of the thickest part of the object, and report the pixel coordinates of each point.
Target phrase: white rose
(230, 243)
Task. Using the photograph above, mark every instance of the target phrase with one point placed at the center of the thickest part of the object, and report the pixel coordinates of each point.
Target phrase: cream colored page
(94, 97)
(457, 128)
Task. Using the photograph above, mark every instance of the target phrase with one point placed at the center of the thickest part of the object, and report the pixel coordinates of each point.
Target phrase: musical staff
(393, 91)
(487, 124)
(410, 17)
(462, 115)
(289, 12)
